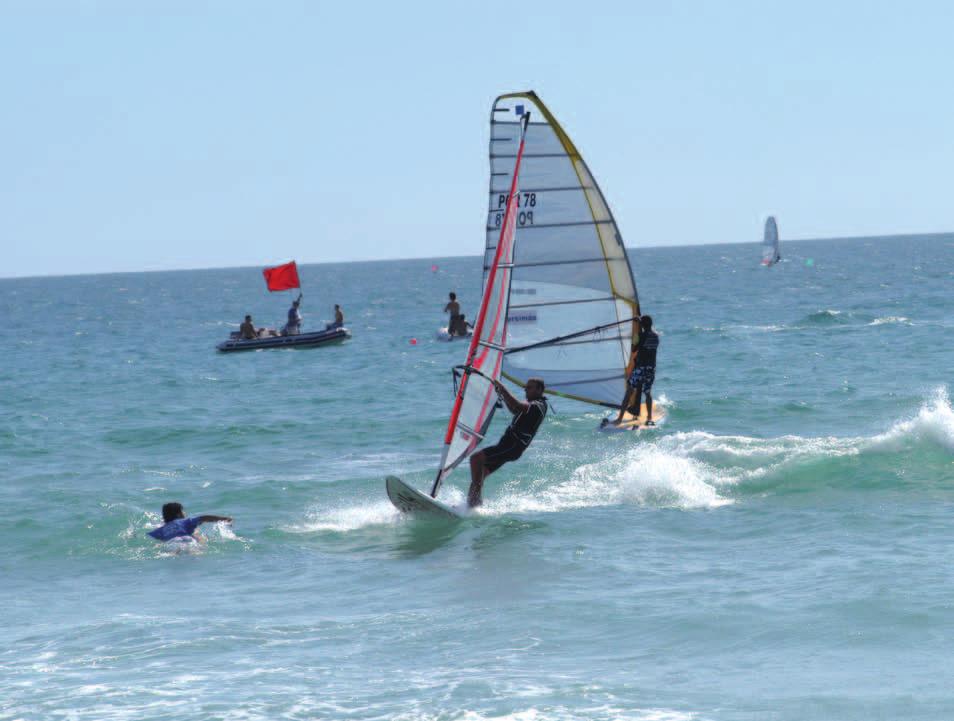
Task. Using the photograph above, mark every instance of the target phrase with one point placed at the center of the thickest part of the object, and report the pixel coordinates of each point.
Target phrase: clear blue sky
(158, 135)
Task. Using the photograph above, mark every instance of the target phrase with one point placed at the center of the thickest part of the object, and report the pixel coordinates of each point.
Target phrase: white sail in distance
(573, 312)
(476, 397)
(770, 254)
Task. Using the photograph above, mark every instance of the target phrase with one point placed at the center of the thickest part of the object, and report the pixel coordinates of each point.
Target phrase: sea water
(780, 548)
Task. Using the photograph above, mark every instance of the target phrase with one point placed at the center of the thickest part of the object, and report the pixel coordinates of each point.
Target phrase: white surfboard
(408, 499)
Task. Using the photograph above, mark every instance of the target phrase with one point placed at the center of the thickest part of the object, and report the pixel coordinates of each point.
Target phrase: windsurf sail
(574, 311)
(475, 400)
(770, 254)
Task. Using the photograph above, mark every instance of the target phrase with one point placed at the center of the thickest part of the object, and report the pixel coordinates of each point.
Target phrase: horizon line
(443, 257)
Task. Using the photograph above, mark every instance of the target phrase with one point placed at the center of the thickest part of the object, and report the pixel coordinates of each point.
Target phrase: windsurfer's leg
(624, 405)
(637, 400)
(478, 472)
(649, 407)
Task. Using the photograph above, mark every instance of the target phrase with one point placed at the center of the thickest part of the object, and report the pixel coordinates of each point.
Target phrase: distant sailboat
(770, 254)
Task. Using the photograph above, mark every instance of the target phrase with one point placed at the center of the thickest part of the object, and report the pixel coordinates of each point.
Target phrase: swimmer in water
(176, 525)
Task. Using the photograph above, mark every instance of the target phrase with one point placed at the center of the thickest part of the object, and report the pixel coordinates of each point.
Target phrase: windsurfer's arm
(513, 405)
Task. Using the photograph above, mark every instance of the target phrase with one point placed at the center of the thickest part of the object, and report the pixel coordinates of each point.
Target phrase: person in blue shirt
(293, 326)
(176, 525)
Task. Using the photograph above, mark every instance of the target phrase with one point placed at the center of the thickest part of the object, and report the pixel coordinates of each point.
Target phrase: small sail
(770, 254)
(573, 304)
(476, 398)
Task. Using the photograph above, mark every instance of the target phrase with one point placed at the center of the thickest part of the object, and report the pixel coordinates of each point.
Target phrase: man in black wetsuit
(527, 417)
(644, 373)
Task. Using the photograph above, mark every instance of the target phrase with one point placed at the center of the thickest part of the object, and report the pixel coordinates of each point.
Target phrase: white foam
(559, 713)
(890, 319)
(645, 475)
(934, 422)
(348, 518)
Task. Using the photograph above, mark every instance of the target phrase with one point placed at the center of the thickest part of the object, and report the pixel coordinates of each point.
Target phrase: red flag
(282, 277)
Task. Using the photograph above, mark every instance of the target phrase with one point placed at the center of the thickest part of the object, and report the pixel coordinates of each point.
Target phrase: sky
(187, 134)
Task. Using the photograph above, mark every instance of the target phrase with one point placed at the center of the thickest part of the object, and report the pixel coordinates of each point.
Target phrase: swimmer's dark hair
(453, 296)
(534, 379)
(172, 511)
(646, 322)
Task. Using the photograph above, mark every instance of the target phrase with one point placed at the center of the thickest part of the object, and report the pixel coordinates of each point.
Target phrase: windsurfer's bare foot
(650, 422)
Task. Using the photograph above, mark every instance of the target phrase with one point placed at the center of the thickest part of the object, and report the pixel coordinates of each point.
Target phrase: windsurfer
(527, 417)
(644, 372)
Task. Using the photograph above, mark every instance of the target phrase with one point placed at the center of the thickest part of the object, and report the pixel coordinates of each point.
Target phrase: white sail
(476, 398)
(573, 303)
(770, 254)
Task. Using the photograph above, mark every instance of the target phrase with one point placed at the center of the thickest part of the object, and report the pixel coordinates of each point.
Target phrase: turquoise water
(778, 549)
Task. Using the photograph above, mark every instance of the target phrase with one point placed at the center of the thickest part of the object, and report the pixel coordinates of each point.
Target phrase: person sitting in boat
(644, 373)
(527, 419)
(293, 326)
(455, 325)
(247, 330)
(339, 319)
(176, 525)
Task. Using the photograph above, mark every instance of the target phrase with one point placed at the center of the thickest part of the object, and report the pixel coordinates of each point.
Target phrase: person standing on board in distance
(176, 525)
(293, 326)
(644, 372)
(453, 307)
(527, 418)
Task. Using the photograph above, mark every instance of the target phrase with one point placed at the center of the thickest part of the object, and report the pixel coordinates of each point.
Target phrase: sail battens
(555, 189)
(495, 346)
(547, 226)
(527, 155)
(570, 269)
(565, 342)
(586, 381)
(467, 429)
(543, 264)
(605, 299)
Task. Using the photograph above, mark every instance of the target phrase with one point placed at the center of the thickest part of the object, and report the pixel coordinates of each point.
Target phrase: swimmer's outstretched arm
(215, 519)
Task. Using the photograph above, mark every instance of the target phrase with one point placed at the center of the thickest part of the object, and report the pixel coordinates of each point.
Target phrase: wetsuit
(517, 437)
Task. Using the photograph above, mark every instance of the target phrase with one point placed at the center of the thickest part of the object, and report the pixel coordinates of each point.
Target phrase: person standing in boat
(454, 323)
(644, 373)
(293, 326)
(527, 418)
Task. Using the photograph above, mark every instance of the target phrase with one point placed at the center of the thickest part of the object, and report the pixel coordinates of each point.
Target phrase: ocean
(778, 549)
